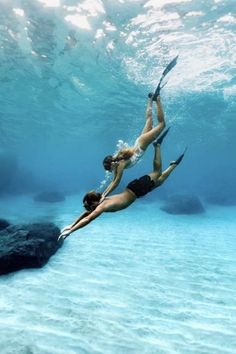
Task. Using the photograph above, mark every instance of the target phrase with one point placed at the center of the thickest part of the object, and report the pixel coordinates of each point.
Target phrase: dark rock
(27, 246)
(49, 197)
(3, 224)
(183, 204)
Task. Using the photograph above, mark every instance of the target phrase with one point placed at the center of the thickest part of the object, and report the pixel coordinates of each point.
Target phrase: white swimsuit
(136, 156)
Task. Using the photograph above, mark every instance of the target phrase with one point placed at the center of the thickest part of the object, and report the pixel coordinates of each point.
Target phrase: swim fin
(179, 159)
(169, 67)
(160, 138)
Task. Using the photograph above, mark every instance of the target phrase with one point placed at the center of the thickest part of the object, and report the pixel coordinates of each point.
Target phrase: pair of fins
(154, 96)
(169, 67)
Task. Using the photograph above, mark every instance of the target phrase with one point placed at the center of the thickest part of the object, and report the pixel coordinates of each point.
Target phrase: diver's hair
(91, 197)
(122, 155)
(107, 162)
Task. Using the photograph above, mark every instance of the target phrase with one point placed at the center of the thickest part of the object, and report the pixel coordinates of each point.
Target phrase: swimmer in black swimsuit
(95, 205)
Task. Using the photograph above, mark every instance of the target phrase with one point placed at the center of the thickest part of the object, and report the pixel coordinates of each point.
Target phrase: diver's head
(91, 200)
(107, 162)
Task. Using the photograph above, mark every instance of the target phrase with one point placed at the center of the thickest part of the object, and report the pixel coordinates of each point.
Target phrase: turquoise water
(74, 78)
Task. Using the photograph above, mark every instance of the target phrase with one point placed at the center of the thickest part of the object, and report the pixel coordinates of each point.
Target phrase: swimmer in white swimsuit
(129, 156)
(136, 157)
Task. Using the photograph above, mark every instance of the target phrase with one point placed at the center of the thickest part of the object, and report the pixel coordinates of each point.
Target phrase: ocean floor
(138, 281)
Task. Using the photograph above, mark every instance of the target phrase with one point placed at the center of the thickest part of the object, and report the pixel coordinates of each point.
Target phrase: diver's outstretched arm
(86, 213)
(86, 220)
(118, 172)
(83, 222)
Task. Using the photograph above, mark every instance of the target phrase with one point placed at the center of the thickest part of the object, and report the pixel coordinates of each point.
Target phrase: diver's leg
(165, 174)
(160, 112)
(146, 139)
(157, 164)
(160, 138)
(168, 171)
(148, 124)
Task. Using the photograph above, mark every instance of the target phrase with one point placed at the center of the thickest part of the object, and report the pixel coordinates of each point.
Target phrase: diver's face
(107, 166)
(90, 207)
(87, 206)
(113, 165)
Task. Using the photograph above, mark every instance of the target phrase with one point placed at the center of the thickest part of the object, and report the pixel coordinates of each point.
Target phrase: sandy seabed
(137, 281)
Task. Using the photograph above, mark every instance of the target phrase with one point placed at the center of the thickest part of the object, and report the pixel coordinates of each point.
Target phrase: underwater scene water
(74, 79)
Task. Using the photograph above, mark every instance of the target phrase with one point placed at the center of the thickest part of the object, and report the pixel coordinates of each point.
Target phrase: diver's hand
(64, 234)
(66, 228)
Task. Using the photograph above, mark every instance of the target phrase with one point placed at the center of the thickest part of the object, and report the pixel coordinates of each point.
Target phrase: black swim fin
(179, 159)
(169, 67)
(160, 138)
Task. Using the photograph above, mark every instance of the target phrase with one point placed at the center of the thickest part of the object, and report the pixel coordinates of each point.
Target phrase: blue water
(74, 77)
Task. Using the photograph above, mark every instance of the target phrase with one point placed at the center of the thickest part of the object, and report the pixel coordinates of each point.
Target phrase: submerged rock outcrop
(3, 224)
(183, 204)
(27, 246)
